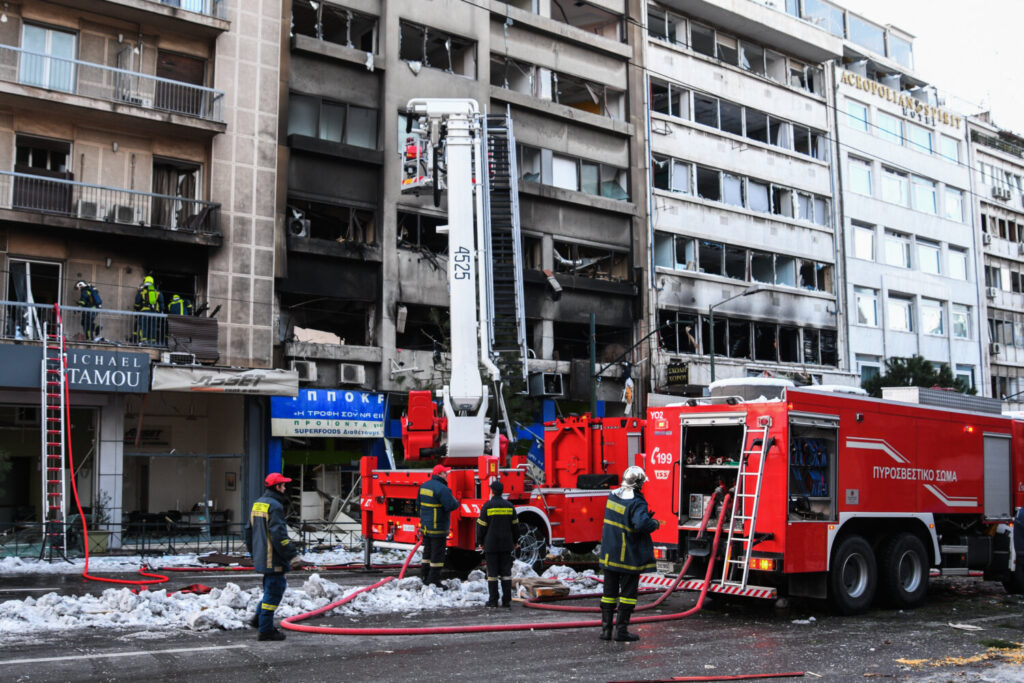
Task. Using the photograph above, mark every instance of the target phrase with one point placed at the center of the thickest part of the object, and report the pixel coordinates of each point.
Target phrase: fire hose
(291, 623)
(154, 578)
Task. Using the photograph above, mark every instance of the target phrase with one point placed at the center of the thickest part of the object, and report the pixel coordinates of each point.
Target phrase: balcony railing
(24, 321)
(27, 192)
(109, 83)
(211, 8)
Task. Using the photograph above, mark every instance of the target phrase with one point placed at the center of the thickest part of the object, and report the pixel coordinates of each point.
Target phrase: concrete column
(110, 461)
(544, 339)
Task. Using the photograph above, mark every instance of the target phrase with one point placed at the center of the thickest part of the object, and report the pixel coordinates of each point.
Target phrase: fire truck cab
(836, 495)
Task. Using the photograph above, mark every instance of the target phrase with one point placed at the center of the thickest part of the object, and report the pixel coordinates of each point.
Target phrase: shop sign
(88, 370)
(328, 412)
(677, 373)
(257, 381)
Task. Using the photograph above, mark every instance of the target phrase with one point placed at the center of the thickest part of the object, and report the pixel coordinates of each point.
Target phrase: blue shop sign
(328, 412)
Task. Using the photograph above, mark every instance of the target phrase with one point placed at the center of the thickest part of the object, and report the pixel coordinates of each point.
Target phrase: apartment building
(362, 274)
(129, 151)
(742, 212)
(912, 284)
(996, 162)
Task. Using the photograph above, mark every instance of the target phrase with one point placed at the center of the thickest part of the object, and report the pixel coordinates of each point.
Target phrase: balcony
(205, 18)
(211, 8)
(98, 81)
(109, 209)
(22, 321)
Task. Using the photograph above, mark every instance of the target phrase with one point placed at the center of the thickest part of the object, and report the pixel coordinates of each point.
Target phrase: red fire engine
(837, 495)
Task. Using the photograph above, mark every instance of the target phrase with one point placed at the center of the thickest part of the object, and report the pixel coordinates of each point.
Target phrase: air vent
(351, 373)
(306, 370)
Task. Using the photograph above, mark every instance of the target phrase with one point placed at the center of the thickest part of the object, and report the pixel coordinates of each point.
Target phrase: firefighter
(266, 537)
(89, 297)
(496, 531)
(436, 503)
(147, 300)
(179, 306)
(626, 551)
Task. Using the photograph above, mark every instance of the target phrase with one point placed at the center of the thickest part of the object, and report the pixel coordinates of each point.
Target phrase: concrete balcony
(203, 18)
(59, 203)
(21, 321)
(35, 77)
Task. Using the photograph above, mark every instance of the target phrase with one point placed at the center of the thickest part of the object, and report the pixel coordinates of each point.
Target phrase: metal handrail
(28, 192)
(24, 321)
(89, 79)
(211, 8)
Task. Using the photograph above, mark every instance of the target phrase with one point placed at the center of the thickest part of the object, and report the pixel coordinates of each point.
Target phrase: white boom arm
(465, 398)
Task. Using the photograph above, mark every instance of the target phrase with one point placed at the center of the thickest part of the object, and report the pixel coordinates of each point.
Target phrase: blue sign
(328, 412)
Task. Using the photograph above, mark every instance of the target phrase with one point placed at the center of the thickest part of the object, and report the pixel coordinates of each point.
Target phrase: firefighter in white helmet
(626, 552)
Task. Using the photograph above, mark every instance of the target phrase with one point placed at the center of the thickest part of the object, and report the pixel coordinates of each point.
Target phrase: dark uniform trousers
(433, 559)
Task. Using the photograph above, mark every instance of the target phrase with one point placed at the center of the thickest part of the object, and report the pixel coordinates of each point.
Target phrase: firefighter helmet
(633, 477)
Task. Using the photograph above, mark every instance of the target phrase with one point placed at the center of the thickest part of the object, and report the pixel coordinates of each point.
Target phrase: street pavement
(939, 641)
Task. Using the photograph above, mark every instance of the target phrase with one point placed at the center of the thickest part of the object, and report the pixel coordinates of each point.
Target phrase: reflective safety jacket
(179, 306)
(149, 299)
(497, 526)
(436, 504)
(266, 534)
(626, 537)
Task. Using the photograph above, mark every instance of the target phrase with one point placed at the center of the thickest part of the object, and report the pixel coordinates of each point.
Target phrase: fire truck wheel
(853, 578)
(903, 571)
(532, 543)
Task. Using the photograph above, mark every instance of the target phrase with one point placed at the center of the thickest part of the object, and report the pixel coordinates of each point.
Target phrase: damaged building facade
(997, 164)
(362, 290)
(130, 152)
(742, 217)
(912, 284)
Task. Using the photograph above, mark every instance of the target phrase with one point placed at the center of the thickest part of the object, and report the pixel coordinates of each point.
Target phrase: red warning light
(968, 429)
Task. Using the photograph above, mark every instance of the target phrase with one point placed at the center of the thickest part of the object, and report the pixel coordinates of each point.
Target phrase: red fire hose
(290, 623)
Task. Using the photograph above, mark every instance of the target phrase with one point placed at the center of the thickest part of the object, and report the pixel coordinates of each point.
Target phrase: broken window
(702, 39)
(829, 348)
(757, 196)
(680, 177)
(731, 118)
(590, 18)
(613, 182)
(705, 110)
(757, 125)
(678, 332)
(335, 222)
(775, 66)
(709, 184)
(426, 329)
(736, 262)
(349, 319)
(670, 99)
(513, 74)
(816, 276)
(739, 339)
(765, 342)
(779, 133)
(811, 347)
(782, 201)
(752, 58)
(732, 189)
(334, 24)
(533, 253)
(529, 163)
(762, 267)
(785, 270)
(802, 140)
(727, 50)
(417, 231)
(585, 95)
(437, 49)
(589, 261)
(721, 341)
(789, 344)
(710, 257)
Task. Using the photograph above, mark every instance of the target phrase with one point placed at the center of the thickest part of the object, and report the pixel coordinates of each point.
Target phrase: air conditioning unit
(986, 238)
(177, 358)
(990, 292)
(995, 348)
(547, 384)
(122, 214)
(298, 227)
(306, 370)
(1001, 192)
(90, 210)
(351, 373)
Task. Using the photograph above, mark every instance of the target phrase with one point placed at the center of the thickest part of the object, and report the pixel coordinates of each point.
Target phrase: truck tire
(532, 544)
(903, 571)
(853, 577)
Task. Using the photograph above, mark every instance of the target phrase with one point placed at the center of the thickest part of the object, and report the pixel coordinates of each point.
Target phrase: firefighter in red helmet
(436, 504)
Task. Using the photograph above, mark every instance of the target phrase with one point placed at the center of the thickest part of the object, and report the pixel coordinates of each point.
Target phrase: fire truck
(835, 495)
(583, 456)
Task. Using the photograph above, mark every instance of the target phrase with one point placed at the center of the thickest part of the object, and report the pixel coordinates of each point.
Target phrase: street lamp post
(753, 289)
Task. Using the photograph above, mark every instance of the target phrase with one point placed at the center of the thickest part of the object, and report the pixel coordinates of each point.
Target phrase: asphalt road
(727, 638)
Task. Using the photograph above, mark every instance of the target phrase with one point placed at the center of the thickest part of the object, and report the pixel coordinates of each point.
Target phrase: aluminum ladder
(504, 262)
(741, 539)
(53, 382)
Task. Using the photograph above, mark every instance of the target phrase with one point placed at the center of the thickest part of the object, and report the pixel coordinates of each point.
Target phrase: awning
(256, 381)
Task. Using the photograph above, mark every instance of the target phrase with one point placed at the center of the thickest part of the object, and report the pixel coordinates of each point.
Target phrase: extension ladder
(53, 383)
(741, 539)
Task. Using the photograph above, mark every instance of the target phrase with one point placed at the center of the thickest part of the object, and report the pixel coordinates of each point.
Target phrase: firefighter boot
(607, 621)
(435, 576)
(506, 592)
(492, 593)
(425, 573)
(621, 634)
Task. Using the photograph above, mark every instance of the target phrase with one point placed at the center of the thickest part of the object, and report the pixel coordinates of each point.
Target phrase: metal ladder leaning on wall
(742, 539)
(53, 384)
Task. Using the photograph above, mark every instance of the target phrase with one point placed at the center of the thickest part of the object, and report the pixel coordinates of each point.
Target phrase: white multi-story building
(742, 213)
(997, 161)
(911, 278)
